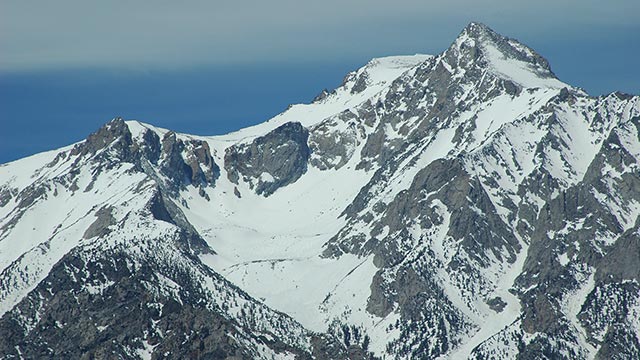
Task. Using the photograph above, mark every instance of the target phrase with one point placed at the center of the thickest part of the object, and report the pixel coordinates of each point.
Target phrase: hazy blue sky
(208, 67)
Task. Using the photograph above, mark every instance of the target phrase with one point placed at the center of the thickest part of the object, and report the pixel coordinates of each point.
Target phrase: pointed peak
(479, 45)
(477, 33)
(477, 29)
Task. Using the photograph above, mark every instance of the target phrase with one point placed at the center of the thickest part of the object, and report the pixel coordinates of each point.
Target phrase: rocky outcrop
(175, 161)
(114, 136)
(333, 142)
(272, 161)
(187, 162)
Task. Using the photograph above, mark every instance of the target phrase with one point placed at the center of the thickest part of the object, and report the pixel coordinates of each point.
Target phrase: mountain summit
(467, 205)
(479, 46)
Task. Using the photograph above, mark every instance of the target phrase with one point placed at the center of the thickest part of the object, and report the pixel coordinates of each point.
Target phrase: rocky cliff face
(464, 205)
(272, 161)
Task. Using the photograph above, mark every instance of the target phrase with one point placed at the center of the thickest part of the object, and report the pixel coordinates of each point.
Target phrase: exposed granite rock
(150, 146)
(620, 343)
(361, 83)
(198, 168)
(162, 208)
(622, 261)
(331, 148)
(425, 310)
(607, 306)
(115, 135)
(25, 198)
(321, 96)
(496, 304)
(183, 162)
(271, 161)
(100, 227)
(579, 224)
(6, 195)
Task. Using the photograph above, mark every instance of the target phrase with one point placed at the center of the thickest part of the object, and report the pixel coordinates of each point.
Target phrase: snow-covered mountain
(463, 205)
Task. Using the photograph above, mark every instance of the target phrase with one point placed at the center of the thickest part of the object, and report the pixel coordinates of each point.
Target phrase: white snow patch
(563, 259)
(146, 351)
(266, 177)
(522, 73)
